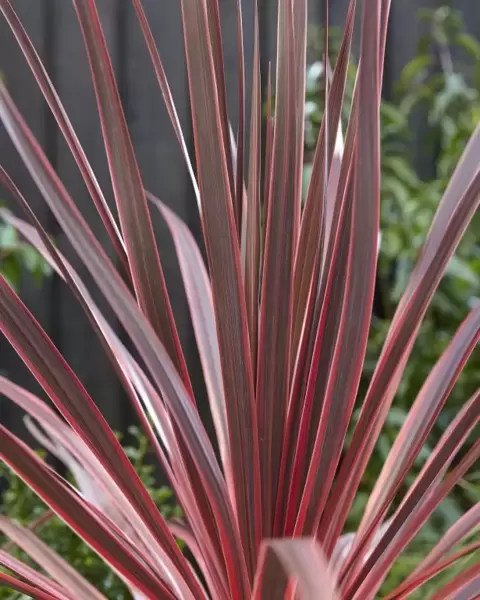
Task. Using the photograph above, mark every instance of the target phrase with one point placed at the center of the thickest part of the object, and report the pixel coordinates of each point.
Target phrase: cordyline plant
(281, 317)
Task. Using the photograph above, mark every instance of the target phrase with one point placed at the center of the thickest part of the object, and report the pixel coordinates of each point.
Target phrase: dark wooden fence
(54, 30)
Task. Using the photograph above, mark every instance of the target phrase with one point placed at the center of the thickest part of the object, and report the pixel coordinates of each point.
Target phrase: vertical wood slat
(23, 88)
(53, 27)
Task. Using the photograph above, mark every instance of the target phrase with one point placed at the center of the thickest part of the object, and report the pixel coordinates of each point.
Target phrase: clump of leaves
(282, 319)
(22, 505)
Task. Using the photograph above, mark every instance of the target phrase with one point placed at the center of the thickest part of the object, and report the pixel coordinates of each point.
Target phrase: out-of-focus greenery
(21, 503)
(441, 84)
(16, 254)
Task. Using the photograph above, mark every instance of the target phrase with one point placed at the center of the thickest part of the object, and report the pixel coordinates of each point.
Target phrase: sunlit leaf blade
(98, 533)
(416, 581)
(239, 180)
(252, 234)
(280, 245)
(149, 347)
(300, 560)
(144, 262)
(61, 117)
(49, 560)
(30, 582)
(223, 253)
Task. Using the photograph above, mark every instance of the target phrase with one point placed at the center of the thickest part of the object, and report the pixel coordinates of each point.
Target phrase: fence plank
(22, 87)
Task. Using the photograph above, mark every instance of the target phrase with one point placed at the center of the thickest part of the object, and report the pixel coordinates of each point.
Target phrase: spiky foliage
(281, 315)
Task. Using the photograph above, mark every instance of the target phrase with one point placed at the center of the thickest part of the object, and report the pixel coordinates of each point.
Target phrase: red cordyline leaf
(252, 226)
(281, 336)
(97, 532)
(150, 399)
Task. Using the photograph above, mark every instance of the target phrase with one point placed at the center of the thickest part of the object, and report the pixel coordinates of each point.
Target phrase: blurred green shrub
(16, 254)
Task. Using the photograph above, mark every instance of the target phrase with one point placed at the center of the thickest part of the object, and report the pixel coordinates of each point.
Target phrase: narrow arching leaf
(425, 490)
(61, 117)
(174, 468)
(49, 561)
(194, 501)
(78, 408)
(40, 240)
(464, 586)
(300, 560)
(252, 234)
(144, 262)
